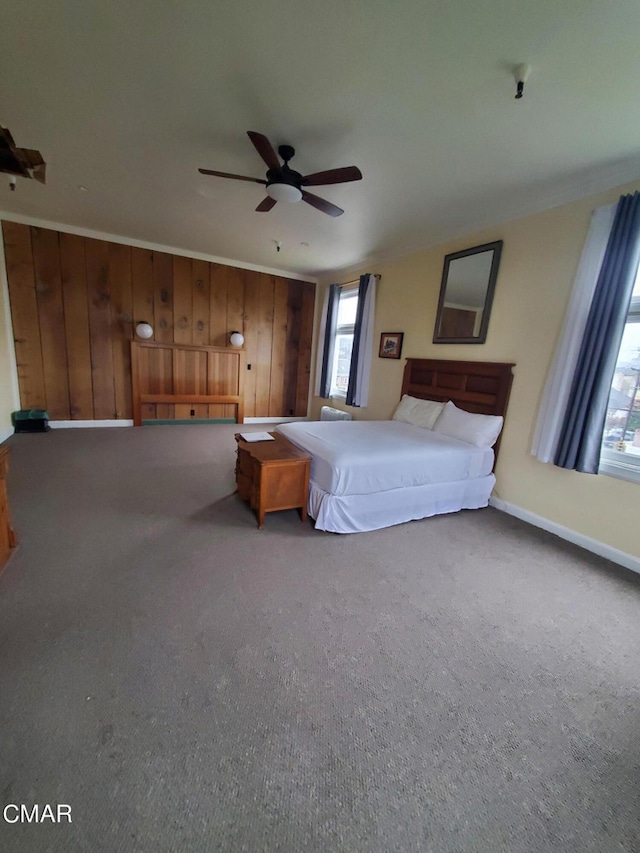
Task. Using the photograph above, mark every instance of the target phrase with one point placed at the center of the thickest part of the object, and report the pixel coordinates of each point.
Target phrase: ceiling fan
(285, 184)
(23, 162)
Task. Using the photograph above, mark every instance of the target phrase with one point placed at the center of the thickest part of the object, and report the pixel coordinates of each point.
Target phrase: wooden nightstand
(272, 475)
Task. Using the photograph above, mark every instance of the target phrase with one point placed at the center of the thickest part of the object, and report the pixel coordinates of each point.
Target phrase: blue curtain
(357, 352)
(329, 334)
(581, 434)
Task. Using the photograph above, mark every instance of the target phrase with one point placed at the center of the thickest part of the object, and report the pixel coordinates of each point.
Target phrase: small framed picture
(391, 344)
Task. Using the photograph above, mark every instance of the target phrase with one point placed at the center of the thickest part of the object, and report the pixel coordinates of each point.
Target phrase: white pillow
(481, 430)
(422, 413)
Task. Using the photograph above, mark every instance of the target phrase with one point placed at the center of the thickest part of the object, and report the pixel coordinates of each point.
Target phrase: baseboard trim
(127, 423)
(586, 542)
(273, 420)
(91, 424)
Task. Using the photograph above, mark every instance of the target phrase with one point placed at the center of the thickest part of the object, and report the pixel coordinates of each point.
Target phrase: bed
(366, 475)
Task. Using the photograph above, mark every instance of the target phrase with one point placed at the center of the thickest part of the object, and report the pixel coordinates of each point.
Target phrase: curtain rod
(357, 280)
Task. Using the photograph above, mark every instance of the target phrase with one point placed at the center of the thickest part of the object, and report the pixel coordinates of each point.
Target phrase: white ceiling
(128, 99)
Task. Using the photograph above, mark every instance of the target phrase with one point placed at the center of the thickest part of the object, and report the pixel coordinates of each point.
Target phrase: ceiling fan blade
(322, 204)
(332, 176)
(229, 175)
(266, 204)
(264, 149)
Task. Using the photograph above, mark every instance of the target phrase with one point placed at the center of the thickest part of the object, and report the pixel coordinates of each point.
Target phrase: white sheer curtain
(558, 386)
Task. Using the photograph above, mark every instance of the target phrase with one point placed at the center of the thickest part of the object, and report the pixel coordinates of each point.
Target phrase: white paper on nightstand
(256, 436)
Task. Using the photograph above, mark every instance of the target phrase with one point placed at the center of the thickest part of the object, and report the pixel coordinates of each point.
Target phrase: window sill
(338, 395)
(625, 466)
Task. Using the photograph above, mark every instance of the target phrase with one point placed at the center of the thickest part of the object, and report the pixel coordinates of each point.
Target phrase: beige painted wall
(539, 260)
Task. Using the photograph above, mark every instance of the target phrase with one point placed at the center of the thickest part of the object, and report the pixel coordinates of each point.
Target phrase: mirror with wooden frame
(466, 293)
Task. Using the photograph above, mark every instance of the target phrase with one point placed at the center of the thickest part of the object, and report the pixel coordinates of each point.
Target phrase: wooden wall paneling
(200, 301)
(223, 379)
(89, 309)
(251, 323)
(163, 313)
(278, 347)
(218, 326)
(142, 291)
(142, 286)
(235, 313)
(135, 383)
(46, 262)
(182, 301)
(183, 332)
(218, 305)
(24, 313)
(121, 325)
(141, 383)
(191, 377)
(304, 349)
(266, 289)
(235, 301)
(294, 310)
(163, 297)
(76, 321)
(160, 372)
(97, 264)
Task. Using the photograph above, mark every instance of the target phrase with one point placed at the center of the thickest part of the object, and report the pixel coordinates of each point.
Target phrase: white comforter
(365, 457)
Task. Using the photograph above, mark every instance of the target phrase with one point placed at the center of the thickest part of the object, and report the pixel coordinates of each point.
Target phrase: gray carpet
(186, 682)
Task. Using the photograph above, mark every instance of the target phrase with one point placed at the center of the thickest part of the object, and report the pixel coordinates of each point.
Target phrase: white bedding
(368, 457)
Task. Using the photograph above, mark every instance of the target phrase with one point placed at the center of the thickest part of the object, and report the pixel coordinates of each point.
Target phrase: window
(343, 341)
(621, 437)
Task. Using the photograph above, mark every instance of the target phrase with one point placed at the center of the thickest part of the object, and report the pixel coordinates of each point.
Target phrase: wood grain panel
(235, 301)
(97, 263)
(122, 325)
(160, 370)
(156, 365)
(251, 325)
(223, 379)
(163, 312)
(93, 293)
(223, 374)
(167, 373)
(294, 310)
(46, 262)
(24, 313)
(266, 288)
(304, 349)
(191, 377)
(163, 297)
(235, 313)
(218, 304)
(76, 320)
(182, 301)
(200, 296)
(278, 347)
(142, 286)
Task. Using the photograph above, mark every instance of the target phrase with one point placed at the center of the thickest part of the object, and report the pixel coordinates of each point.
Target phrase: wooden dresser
(7, 537)
(272, 475)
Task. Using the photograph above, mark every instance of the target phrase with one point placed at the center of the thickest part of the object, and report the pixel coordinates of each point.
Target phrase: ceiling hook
(521, 74)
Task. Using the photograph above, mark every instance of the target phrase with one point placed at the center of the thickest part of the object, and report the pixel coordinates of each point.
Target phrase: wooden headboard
(183, 379)
(476, 386)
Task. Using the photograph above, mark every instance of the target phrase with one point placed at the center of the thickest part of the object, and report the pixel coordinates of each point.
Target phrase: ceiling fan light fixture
(283, 192)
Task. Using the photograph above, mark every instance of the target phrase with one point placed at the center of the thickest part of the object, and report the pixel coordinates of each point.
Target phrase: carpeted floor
(186, 682)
